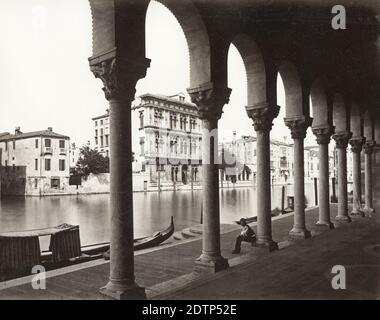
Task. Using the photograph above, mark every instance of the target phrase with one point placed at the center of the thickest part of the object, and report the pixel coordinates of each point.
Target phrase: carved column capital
(119, 76)
(209, 100)
(323, 134)
(357, 144)
(262, 116)
(298, 126)
(341, 139)
(368, 146)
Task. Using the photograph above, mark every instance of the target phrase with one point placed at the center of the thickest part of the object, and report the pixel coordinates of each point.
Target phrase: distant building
(244, 149)
(34, 163)
(102, 134)
(169, 138)
(168, 145)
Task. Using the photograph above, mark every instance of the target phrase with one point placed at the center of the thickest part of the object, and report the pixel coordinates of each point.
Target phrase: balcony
(48, 150)
(62, 151)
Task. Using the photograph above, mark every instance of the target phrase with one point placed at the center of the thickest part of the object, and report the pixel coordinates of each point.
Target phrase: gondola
(275, 212)
(139, 244)
(21, 250)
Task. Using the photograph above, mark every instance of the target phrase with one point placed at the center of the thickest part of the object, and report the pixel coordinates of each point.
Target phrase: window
(101, 141)
(96, 123)
(36, 143)
(101, 122)
(48, 143)
(47, 164)
(14, 144)
(6, 145)
(36, 164)
(96, 140)
(101, 132)
(35, 183)
(62, 165)
(96, 132)
(55, 183)
(141, 120)
(62, 144)
(106, 140)
(6, 163)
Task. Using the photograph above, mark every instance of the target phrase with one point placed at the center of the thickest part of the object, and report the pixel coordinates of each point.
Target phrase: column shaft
(342, 186)
(298, 126)
(356, 187)
(299, 229)
(324, 194)
(368, 180)
(264, 218)
(122, 279)
(211, 255)
(262, 116)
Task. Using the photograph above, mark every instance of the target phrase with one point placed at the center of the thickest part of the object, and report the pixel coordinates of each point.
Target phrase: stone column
(323, 135)
(298, 126)
(368, 149)
(119, 79)
(210, 101)
(341, 140)
(262, 117)
(356, 147)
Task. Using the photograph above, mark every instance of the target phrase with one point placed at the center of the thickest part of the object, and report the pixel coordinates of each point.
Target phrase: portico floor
(297, 271)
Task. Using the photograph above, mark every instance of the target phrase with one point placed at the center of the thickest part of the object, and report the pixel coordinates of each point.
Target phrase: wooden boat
(275, 212)
(21, 250)
(141, 243)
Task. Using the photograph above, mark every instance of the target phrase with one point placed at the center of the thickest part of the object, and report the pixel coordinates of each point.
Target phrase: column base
(299, 234)
(369, 210)
(267, 245)
(325, 225)
(118, 292)
(207, 264)
(343, 219)
(357, 213)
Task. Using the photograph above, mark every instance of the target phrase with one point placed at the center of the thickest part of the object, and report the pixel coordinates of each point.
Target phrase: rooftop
(18, 135)
(177, 99)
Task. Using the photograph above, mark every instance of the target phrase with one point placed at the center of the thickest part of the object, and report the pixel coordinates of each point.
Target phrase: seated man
(246, 234)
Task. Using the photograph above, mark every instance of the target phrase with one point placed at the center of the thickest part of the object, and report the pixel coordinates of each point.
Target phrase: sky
(45, 80)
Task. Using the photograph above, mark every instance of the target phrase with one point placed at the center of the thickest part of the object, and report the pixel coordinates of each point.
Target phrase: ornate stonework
(368, 146)
(119, 77)
(357, 144)
(210, 100)
(341, 139)
(298, 126)
(262, 116)
(323, 134)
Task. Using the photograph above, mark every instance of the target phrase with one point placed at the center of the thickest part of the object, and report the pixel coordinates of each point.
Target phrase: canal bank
(167, 271)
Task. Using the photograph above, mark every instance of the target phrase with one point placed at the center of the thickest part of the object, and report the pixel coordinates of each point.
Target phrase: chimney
(17, 131)
(50, 129)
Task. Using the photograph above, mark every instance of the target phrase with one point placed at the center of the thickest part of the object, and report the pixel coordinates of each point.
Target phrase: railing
(48, 150)
(62, 151)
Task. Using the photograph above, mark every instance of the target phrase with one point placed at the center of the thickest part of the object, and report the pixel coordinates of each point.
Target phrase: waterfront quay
(298, 270)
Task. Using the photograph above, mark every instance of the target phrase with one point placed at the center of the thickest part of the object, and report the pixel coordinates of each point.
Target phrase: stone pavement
(297, 271)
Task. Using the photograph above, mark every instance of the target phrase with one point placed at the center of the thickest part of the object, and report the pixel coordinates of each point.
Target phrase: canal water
(152, 211)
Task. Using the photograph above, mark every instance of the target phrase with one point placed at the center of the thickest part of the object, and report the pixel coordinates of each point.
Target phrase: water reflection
(152, 211)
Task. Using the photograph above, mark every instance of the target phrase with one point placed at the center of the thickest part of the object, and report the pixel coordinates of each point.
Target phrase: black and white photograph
(207, 152)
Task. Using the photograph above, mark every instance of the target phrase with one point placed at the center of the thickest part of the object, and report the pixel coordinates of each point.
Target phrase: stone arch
(293, 89)
(322, 111)
(254, 67)
(119, 29)
(341, 119)
(356, 120)
(197, 39)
